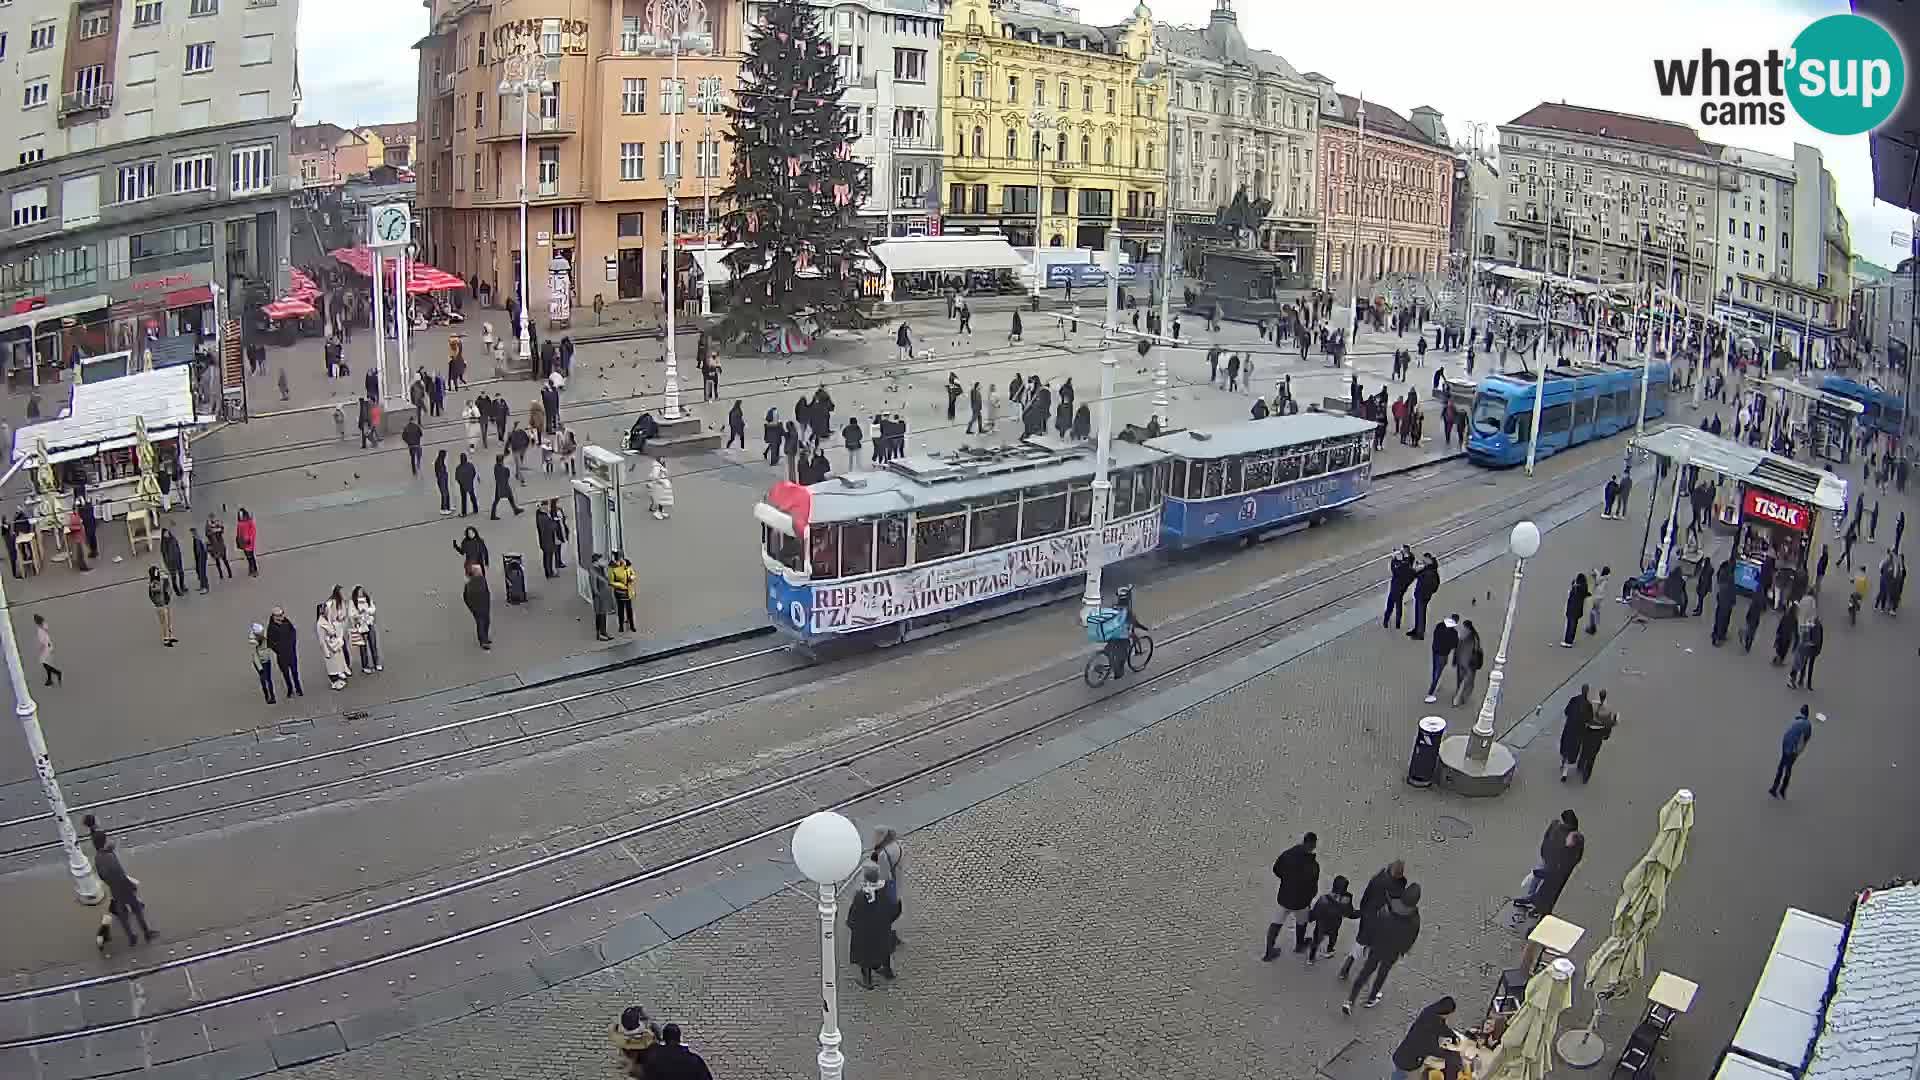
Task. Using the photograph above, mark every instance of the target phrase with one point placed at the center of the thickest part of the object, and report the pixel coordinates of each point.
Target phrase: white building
(890, 57)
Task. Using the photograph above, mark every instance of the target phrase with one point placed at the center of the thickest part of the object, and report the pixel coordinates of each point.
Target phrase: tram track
(1480, 522)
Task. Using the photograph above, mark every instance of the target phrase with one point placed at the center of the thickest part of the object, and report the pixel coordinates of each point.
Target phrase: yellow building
(1048, 118)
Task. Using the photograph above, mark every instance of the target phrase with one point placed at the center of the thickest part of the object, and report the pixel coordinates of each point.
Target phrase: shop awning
(1747, 464)
(54, 313)
(194, 297)
(100, 415)
(933, 254)
(712, 262)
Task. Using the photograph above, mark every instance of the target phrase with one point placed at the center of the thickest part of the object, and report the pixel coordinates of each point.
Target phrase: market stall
(94, 444)
(1818, 422)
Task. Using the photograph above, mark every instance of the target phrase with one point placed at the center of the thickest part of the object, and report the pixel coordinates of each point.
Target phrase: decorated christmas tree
(796, 186)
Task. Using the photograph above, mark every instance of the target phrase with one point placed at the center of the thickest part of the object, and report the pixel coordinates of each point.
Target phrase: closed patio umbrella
(1526, 1049)
(1621, 960)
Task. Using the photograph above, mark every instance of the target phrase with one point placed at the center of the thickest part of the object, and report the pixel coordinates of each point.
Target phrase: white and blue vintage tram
(933, 542)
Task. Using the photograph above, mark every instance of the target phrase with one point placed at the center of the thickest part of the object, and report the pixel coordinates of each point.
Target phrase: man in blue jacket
(1799, 734)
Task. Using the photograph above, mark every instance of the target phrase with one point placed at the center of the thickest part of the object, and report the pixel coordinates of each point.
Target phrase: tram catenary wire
(1479, 518)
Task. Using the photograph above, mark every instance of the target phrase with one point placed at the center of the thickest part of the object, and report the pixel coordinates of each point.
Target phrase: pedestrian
(1805, 652)
(1573, 728)
(669, 1060)
(363, 628)
(1429, 1036)
(1425, 584)
(1609, 495)
(544, 535)
(1551, 844)
(126, 905)
(736, 426)
(283, 640)
(1755, 609)
(518, 442)
(903, 344)
(217, 547)
(620, 576)
(870, 926)
(953, 395)
(1468, 658)
(333, 647)
(1556, 872)
(602, 596)
(1626, 493)
(475, 425)
(1446, 642)
(199, 559)
(43, 636)
(246, 537)
(1388, 935)
(472, 549)
(1298, 869)
(1599, 729)
(1400, 574)
(1784, 634)
(993, 406)
(479, 601)
(975, 404)
(171, 558)
(1725, 593)
(160, 594)
(1703, 582)
(440, 481)
(260, 654)
(1013, 332)
(1233, 373)
(886, 854)
(411, 436)
(1388, 878)
(1334, 907)
(660, 490)
(467, 477)
(502, 488)
(1899, 525)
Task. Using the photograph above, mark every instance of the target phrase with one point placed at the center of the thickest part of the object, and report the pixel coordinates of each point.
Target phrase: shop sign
(1776, 510)
(167, 281)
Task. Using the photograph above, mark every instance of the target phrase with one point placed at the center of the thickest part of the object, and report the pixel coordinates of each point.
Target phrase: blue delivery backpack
(1107, 624)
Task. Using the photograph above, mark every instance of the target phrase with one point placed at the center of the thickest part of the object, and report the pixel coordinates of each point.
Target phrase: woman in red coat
(246, 538)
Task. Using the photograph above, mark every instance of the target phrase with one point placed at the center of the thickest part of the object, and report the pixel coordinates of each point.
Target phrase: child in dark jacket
(1327, 914)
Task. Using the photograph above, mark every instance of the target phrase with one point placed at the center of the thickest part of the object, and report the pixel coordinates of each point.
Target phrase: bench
(1336, 405)
(1654, 607)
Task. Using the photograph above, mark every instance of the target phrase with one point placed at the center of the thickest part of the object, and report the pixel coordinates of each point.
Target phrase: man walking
(479, 601)
(1425, 585)
(1400, 576)
(466, 477)
(1299, 873)
(1610, 493)
(1446, 639)
(544, 532)
(1388, 936)
(1388, 879)
(502, 487)
(411, 436)
(1792, 744)
(123, 888)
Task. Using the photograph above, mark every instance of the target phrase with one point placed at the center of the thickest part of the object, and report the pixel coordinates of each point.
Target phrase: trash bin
(513, 567)
(1426, 751)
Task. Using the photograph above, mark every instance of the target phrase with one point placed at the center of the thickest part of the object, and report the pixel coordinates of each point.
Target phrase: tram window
(1231, 485)
(823, 551)
(939, 537)
(1043, 511)
(1121, 502)
(1216, 479)
(1143, 488)
(782, 548)
(856, 549)
(1258, 471)
(1160, 472)
(996, 521)
(1603, 406)
(1196, 479)
(890, 543)
(1657, 396)
(1173, 481)
(1488, 411)
(1555, 420)
(1080, 508)
(1316, 461)
(1286, 468)
(1340, 455)
(1623, 402)
(1520, 425)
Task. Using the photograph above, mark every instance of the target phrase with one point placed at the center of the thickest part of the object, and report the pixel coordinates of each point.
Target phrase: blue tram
(1582, 402)
(1884, 408)
(1248, 478)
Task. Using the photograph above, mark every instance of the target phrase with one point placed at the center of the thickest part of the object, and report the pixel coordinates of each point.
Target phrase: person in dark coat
(1423, 1040)
(479, 601)
(1388, 935)
(1599, 729)
(503, 487)
(1725, 593)
(466, 477)
(1066, 391)
(1702, 583)
(1578, 712)
(199, 559)
(1334, 907)
(411, 435)
(1784, 636)
(770, 431)
(668, 1060)
(472, 549)
(1400, 575)
(1558, 872)
(736, 426)
(548, 537)
(1577, 596)
(870, 922)
(1082, 423)
(1426, 583)
(1551, 842)
(170, 555)
(1385, 881)
(284, 641)
(1063, 418)
(440, 481)
(126, 904)
(1755, 609)
(1299, 872)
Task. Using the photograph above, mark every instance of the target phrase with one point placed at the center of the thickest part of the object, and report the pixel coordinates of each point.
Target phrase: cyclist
(1118, 651)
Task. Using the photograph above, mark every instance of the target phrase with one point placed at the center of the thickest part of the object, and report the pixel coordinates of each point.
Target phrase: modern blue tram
(1884, 408)
(1583, 402)
(932, 542)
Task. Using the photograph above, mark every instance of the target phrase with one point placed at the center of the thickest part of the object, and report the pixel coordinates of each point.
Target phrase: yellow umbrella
(49, 501)
(1526, 1049)
(148, 488)
(1621, 960)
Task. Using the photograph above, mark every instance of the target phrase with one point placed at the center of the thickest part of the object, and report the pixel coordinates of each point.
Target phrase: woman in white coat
(471, 415)
(363, 630)
(660, 490)
(333, 646)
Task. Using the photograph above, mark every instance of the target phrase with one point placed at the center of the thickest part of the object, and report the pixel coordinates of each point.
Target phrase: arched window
(1086, 149)
(979, 143)
(1108, 152)
(1013, 143)
(1060, 148)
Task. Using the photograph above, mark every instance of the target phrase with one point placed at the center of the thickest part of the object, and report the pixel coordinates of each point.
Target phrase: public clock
(391, 225)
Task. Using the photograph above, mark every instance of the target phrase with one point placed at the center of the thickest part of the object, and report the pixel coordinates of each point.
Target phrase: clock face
(391, 225)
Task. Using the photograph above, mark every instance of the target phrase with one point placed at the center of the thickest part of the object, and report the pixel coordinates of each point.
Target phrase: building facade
(1386, 190)
(1051, 122)
(324, 155)
(1241, 120)
(147, 148)
(1476, 203)
(889, 55)
(609, 131)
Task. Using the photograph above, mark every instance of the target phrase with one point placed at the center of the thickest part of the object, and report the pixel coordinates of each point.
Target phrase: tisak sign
(1772, 508)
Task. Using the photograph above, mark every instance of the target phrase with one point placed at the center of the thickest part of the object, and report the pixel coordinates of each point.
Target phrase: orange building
(602, 139)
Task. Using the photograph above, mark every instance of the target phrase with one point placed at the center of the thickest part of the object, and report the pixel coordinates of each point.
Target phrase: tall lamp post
(1475, 763)
(1041, 122)
(1162, 380)
(711, 98)
(1546, 313)
(1353, 264)
(670, 20)
(826, 848)
(1097, 526)
(524, 74)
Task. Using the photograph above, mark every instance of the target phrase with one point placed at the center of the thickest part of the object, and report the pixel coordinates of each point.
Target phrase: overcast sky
(1490, 61)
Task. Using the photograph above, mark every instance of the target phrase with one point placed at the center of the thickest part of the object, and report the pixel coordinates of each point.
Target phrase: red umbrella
(426, 279)
(288, 307)
(301, 281)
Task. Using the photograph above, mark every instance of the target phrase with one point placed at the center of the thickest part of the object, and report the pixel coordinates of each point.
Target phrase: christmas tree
(796, 187)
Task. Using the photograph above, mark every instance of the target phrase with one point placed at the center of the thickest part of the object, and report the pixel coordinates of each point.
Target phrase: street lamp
(1475, 763)
(1041, 122)
(524, 74)
(1353, 265)
(826, 848)
(710, 99)
(1097, 526)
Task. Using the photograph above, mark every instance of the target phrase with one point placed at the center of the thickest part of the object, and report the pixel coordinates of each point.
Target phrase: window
(707, 160)
(979, 84)
(566, 220)
(460, 172)
(910, 65)
(32, 154)
(1013, 143)
(630, 224)
(939, 537)
(979, 142)
(1039, 92)
(630, 34)
(669, 160)
(146, 13)
(1086, 97)
(1013, 90)
(1086, 149)
(476, 172)
(673, 96)
(633, 160)
(1112, 102)
(479, 110)
(29, 207)
(203, 7)
(89, 78)
(3, 44)
(1060, 147)
(549, 101)
(548, 170)
(199, 57)
(633, 96)
(550, 37)
(1066, 94)
(34, 94)
(1763, 234)
(1108, 153)
(256, 49)
(1060, 196)
(136, 182)
(40, 37)
(250, 169)
(92, 26)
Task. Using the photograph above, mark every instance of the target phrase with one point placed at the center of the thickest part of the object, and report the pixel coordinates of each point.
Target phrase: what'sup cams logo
(1845, 74)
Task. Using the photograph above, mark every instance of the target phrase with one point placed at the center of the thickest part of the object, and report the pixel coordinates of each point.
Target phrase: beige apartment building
(604, 137)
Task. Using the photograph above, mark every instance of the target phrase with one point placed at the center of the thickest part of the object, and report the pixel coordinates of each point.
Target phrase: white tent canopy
(101, 415)
(933, 254)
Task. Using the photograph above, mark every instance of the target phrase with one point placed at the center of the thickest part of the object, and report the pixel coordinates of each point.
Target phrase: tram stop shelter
(1820, 421)
(1773, 511)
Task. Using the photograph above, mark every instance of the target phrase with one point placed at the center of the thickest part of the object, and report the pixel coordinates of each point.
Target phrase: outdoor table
(1552, 938)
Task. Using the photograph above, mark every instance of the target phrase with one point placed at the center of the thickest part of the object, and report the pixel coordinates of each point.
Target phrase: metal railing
(90, 97)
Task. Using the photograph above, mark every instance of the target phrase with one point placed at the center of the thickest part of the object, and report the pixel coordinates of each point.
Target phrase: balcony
(443, 84)
(647, 43)
(86, 100)
(539, 128)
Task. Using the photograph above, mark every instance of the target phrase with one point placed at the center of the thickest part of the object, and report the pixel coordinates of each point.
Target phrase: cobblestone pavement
(332, 514)
(1104, 920)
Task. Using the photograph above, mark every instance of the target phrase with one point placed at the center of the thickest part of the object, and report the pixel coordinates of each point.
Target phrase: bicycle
(1098, 670)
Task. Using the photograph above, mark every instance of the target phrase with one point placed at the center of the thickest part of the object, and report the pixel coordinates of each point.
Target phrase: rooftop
(1604, 123)
(1382, 119)
(313, 138)
(404, 129)
(1871, 1030)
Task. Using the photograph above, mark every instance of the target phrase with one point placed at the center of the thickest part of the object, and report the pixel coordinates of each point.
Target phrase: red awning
(194, 297)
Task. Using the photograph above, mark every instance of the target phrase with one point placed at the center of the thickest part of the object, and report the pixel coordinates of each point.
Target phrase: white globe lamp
(1524, 541)
(826, 848)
